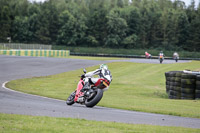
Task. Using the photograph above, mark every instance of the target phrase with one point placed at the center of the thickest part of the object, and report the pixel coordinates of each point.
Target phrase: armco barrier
(125, 56)
(39, 53)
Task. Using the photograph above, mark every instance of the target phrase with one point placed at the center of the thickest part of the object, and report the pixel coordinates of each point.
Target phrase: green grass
(37, 124)
(135, 86)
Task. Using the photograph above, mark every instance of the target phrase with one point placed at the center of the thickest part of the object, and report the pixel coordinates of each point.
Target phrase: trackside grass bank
(135, 86)
(35, 124)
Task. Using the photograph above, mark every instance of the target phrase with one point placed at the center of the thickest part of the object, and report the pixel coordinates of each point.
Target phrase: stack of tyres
(167, 76)
(188, 84)
(173, 84)
(197, 91)
(177, 85)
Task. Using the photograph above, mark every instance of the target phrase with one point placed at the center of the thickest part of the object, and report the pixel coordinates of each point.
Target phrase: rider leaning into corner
(102, 72)
(161, 53)
(147, 55)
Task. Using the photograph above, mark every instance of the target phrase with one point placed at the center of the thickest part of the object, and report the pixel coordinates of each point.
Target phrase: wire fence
(7, 46)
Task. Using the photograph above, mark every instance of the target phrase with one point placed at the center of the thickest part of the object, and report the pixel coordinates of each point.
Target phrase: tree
(182, 29)
(193, 42)
(191, 11)
(131, 41)
(53, 21)
(168, 28)
(66, 32)
(120, 3)
(34, 22)
(96, 21)
(72, 30)
(134, 21)
(116, 28)
(5, 24)
(43, 32)
(21, 30)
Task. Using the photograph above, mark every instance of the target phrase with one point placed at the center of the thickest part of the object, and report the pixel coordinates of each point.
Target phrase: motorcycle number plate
(104, 83)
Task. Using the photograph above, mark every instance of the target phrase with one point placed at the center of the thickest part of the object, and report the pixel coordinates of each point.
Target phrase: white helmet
(104, 66)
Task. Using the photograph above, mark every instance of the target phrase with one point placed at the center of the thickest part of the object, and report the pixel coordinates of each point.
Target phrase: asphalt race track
(12, 102)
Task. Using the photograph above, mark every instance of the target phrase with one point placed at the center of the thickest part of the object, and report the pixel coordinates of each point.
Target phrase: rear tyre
(94, 99)
(70, 99)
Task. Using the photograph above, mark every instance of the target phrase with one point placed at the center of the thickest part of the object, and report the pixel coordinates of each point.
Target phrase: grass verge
(10, 123)
(135, 86)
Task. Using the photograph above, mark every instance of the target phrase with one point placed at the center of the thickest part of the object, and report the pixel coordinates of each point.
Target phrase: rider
(147, 55)
(175, 55)
(161, 54)
(102, 72)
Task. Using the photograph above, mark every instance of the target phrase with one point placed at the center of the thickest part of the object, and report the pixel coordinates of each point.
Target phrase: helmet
(103, 66)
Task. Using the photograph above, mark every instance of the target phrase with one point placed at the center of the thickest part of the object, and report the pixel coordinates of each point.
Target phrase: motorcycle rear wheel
(70, 99)
(95, 99)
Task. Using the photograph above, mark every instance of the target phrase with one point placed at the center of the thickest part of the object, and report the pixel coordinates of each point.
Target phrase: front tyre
(70, 99)
(91, 102)
(161, 60)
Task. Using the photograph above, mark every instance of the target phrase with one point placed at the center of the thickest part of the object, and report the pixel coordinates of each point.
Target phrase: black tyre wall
(173, 84)
(180, 85)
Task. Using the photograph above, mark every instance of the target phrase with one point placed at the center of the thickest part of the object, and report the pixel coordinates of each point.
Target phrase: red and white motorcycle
(90, 96)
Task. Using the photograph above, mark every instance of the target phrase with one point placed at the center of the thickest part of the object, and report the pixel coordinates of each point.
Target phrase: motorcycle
(176, 58)
(161, 58)
(148, 56)
(90, 95)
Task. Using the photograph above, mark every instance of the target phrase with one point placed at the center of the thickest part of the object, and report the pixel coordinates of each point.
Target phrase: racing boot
(85, 87)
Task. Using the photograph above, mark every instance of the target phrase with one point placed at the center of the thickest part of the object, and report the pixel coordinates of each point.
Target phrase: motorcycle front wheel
(161, 60)
(70, 99)
(96, 97)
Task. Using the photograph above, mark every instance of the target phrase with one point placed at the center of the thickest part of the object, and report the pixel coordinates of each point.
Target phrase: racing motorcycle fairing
(78, 90)
(102, 83)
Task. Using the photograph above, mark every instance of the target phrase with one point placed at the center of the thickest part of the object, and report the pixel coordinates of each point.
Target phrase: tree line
(135, 24)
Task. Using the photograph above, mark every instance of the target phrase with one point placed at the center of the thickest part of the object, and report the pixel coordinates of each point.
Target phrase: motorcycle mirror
(84, 70)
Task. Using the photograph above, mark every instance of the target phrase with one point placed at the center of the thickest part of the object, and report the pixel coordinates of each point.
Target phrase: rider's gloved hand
(83, 76)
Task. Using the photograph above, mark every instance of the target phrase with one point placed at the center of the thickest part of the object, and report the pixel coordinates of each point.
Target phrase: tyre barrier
(173, 84)
(197, 91)
(182, 85)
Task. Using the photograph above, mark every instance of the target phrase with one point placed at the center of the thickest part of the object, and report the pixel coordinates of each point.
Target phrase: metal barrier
(126, 56)
(38, 53)
(24, 46)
